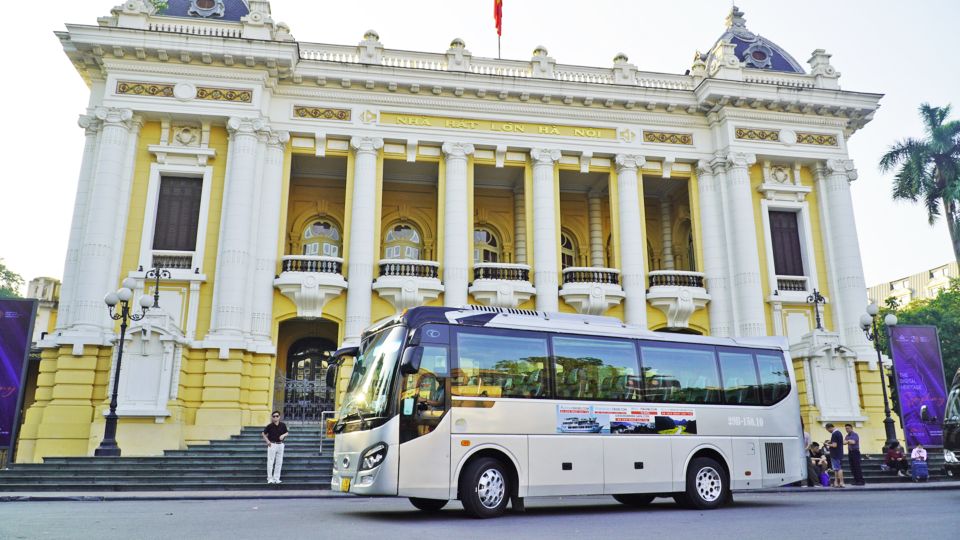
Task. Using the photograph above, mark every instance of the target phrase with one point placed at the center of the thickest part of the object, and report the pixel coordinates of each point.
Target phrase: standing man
(273, 435)
(835, 447)
(852, 440)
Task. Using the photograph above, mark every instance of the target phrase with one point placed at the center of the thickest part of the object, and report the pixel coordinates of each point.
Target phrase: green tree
(928, 169)
(10, 282)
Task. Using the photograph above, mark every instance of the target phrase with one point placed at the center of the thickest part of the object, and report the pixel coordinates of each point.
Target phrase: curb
(926, 486)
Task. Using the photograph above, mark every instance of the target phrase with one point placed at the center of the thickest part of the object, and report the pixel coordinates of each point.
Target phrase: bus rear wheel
(485, 488)
(634, 499)
(428, 505)
(707, 485)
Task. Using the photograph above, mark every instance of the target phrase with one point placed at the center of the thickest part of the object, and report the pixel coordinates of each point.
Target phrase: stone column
(362, 251)
(519, 227)
(233, 257)
(98, 245)
(457, 223)
(545, 229)
(714, 254)
(847, 284)
(666, 226)
(751, 319)
(268, 233)
(596, 231)
(91, 126)
(632, 239)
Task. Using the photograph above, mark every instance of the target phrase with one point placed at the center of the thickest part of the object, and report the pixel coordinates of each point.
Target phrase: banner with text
(920, 383)
(16, 324)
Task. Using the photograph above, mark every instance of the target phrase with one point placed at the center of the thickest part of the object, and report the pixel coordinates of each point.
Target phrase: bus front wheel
(484, 488)
(707, 485)
(428, 505)
(634, 499)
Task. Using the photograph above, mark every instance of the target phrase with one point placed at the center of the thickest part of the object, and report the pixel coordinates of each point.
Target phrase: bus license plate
(344, 485)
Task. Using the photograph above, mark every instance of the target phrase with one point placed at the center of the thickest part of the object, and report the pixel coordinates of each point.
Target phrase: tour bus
(490, 406)
(951, 429)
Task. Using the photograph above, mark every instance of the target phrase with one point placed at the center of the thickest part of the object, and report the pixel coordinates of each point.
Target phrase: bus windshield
(368, 392)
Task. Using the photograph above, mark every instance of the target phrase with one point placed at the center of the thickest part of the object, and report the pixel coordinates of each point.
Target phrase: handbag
(824, 479)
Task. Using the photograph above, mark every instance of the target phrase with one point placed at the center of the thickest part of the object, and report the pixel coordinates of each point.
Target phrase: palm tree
(928, 169)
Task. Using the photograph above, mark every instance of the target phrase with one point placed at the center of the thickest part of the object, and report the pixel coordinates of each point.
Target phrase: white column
(233, 257)
(632, 239)
(519, 227)
(268, 233)
(545, 229)
(744, 251)
(596, 231)
(666, 223)
(123, 211)
(91, 126)
(360, 260)
(98, 245)
(457, 223)
(263, 135)
(847, 283)
(714, 254)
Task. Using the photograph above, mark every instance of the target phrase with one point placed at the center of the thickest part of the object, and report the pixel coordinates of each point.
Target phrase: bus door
(424, 422)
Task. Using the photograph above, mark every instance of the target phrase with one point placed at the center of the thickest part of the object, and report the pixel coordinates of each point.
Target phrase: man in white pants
(273, 435)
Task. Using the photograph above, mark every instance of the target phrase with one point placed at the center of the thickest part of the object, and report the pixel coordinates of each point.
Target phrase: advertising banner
(625, 419)
(921, 387)
(16, 328)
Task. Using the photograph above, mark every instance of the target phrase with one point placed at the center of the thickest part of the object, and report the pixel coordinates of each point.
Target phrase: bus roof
(491, 317)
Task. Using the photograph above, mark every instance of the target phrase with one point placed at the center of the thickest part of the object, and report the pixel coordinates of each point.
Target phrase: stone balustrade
(311, 263)
(172, 260)
(501, 271)
(408, 268)
(575, 274)
(675, 278)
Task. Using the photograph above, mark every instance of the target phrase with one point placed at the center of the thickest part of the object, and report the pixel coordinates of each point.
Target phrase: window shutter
(178, 214)
(785, 236)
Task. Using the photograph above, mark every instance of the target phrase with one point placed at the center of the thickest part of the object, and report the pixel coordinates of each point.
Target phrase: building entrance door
(303, 386)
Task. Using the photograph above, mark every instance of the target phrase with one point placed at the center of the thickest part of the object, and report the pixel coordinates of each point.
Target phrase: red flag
(498, 15)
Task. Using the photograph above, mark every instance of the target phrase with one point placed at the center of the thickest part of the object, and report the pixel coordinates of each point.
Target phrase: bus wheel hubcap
(490, 488)
(709, 484)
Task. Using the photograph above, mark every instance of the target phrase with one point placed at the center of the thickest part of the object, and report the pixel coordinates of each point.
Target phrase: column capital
(366, 144)
(90, 123)
(114, 116)
(843, 167)
(545, 156)
(739, 160)
(629, 161)
(278, 139)
(704, 168)
(238, 125)
(457, 149)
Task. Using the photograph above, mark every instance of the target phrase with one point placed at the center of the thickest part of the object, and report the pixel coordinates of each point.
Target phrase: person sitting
(816, 464)
(895, 459)
(919, 453)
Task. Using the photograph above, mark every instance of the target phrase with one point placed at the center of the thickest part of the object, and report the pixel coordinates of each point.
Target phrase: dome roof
(221, 10)
(754, 50)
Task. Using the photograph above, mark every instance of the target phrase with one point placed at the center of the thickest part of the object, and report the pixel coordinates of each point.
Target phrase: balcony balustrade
(408, 283)
(310, 282)
(172, 260)
(501, 284)
(591, 290)
(792, 284)
(678, 294)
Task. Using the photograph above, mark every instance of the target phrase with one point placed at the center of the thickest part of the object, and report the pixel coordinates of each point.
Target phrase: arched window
(486, 246)
(402, 241)
(321, 237)
(568, 250)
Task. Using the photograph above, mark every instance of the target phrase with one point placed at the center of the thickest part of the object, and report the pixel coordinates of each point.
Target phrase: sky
(903, 50)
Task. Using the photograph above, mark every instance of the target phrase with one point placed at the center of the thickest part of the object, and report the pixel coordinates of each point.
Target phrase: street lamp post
(108, 446)
(868, 321)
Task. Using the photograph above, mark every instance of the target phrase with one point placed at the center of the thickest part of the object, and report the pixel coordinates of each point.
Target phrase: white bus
(490, 406)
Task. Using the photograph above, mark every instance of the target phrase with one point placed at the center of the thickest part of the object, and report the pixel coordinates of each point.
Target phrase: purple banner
(16, 324)
(920, 383)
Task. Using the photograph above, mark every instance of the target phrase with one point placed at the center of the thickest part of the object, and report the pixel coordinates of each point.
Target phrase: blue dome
(754, 50)
(220, 10)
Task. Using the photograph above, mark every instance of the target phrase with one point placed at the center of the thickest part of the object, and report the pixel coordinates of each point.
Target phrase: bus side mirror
(410, 362)
(331, 377)
(336, 360)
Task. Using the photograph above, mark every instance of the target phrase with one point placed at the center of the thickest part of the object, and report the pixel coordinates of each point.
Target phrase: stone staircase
(873, 475)
(238, 463)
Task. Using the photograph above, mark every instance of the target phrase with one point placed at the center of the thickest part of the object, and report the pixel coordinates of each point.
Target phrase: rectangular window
(785, 236)
(774, 378)
(592, 368)
(680, 374)
(178, 214)
(740, 383)
(500, 365)
(311, 249)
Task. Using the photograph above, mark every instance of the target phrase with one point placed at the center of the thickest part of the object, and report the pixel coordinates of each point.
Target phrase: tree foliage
(10, 282)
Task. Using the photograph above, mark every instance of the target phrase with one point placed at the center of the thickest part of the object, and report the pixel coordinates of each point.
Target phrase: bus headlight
(373, 457)
(950, 457)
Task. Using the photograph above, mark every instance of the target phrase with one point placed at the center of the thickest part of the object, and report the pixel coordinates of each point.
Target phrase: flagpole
(498, 47)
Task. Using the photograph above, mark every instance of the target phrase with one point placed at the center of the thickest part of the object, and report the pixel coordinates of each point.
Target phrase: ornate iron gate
(302, 394)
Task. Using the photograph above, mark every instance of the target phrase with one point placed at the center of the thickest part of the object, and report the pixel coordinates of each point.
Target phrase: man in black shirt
(273, 435)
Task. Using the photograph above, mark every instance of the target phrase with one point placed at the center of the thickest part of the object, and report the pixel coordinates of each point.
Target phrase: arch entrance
(300, 391)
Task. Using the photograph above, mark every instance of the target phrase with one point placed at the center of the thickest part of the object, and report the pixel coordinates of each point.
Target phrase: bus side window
(774, 378)
(740, 383)
(594, 368)
(497, 365)
(680, 373)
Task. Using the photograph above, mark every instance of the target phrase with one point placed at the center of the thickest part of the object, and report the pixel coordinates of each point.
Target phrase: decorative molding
(666, 137)
(133, 88)
(232, 95)
(321, 113)
(817, 139)
(183, 91)
(757, 134)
